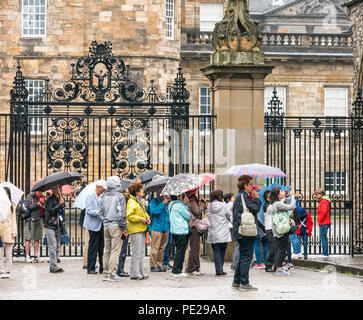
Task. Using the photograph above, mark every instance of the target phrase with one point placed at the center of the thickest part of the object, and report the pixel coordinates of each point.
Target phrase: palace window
(35, 88)
(34, 18)
(170, 19)
(210, 14)
(281, 94)
(336, 102)
(204, 109)
(335, 182)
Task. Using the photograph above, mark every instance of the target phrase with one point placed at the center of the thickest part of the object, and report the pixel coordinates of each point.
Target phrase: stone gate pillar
(237, 73)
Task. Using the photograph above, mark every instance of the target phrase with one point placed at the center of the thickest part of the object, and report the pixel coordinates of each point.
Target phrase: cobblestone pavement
(34, 280)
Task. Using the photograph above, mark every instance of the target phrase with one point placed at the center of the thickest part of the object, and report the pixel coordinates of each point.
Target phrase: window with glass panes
(204, 109)
(34, 18)
(170, 19)
(335, 182)
(35, 88)
(210, 14)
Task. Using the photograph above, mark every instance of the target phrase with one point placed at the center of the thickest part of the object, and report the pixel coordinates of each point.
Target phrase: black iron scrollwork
(130, 147)
(357, 111)
(19, 92)
(67, 148)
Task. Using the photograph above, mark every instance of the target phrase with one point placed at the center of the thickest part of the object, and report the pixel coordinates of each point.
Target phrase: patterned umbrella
(181, 183)
(4, 205)
(255, 170)
(16, 193)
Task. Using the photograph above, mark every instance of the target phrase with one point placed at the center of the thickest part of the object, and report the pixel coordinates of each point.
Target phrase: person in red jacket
(323, 219)
(304, 230)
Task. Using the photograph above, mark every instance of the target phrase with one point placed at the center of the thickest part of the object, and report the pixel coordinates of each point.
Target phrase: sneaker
(196, 273)
(114, 278)
(221, 273)
(179, 275)
(285, 267)
(269, 270)
(305, 257)
(56, 270)
(145, 277)
(92, 272)
(290, 266)
(105, 277)
(281, 273)
(257, 266)
(37, 260)
(235, 285)
(247, 287)
(167, 266)
(137, 278)
(155, 269)
(295, 256)
(163, 269)
(300, 256)
(28, 260)
(5, 275)
(123, 274)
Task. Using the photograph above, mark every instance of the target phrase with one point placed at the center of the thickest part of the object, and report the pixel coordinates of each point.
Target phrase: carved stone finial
(237, 32)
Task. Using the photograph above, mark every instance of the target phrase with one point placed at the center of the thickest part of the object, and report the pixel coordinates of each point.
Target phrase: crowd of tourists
(262, 229)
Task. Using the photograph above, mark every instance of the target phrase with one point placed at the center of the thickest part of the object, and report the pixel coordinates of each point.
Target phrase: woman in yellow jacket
(8, 233)
(137, 221)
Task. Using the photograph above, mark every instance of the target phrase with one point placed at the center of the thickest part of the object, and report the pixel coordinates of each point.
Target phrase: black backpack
(24, 213)
(81, 217)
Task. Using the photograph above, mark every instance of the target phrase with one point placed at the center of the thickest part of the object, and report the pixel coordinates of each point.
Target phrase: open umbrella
(154, 185)
(66, 189)
(255, 170)
(125, 184)
(207, 177)
(57, 178)
(147, 175)
(181, 183)
(80, 201)
(16, 193)
(5, 204)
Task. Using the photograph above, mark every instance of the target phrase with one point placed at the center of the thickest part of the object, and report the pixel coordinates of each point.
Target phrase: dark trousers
(219, 252)
(241, 274)
(288, 250)
(281, 245)
(180, 243)
(95, 246)
(194, 241)
(271, 249)
(167, 251)
(123, 254)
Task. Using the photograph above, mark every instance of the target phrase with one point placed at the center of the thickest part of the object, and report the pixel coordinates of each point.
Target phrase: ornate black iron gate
(322, 152)
(100, 123)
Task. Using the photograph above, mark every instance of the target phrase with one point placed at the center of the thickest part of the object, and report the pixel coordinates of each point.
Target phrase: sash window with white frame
(204, 109)
(35, 88)
(335, 182)
(336, 104)
(210, 14)
(170, 19)
(34, 18)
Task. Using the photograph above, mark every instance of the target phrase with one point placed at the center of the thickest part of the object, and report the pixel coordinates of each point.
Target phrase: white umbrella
(80, 201)
(16, 193)
(5, 204)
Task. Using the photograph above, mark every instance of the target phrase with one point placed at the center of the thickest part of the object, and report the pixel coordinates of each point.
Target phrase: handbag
(23, 210)
(281, 222)
(248, 226)
(202, 225)
(64, 235)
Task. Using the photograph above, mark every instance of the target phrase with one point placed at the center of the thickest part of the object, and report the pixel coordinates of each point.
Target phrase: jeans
(219, 252)
(123, 254)
(304, 239)
(257, 245)
(167, 250)
(296, 245)
(241, 274)
(323, 238)
(95, 246)
(180, 243)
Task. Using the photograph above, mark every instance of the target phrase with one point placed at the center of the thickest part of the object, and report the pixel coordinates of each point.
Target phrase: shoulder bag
(248, 226)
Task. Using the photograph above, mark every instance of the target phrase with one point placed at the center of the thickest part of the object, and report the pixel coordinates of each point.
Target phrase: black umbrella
(147, 176)
(155, 184)
(125, 184)
(57, 178)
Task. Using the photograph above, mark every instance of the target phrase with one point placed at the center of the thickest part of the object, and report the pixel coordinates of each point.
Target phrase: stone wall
(355, 13)
(137, 32)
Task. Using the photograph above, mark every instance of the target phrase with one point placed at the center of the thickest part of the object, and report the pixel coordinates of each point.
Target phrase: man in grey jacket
(113, 212)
